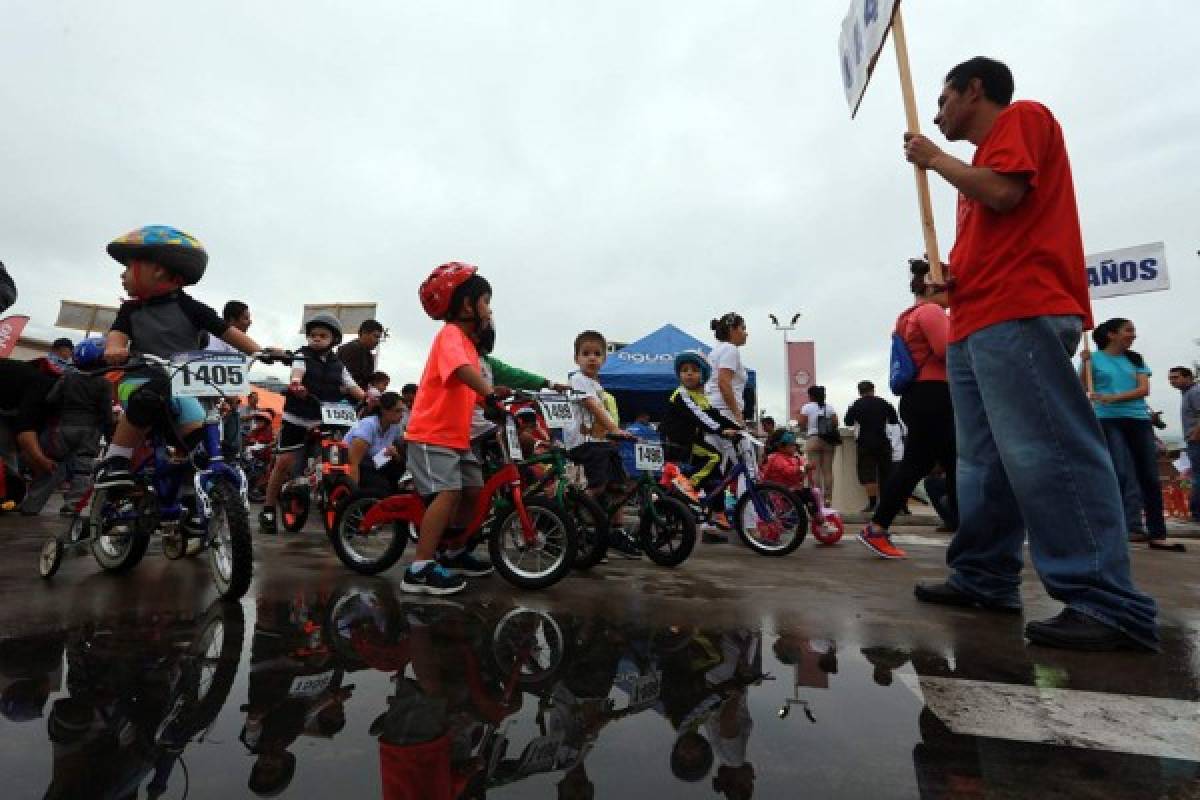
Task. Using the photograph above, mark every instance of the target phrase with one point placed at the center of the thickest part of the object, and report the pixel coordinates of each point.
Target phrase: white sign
(338, 415)
(1130, 271)
(648, 457)
(206, 374)
(514, 439)
(559, 414)
(863, 32)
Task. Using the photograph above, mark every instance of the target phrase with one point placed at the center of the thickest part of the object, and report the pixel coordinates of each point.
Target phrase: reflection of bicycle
(151, 693)
(118, 523)
(767, 516)
(325, 481)
(531, 544)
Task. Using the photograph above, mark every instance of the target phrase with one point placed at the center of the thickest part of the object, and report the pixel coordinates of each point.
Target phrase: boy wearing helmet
(439, 429)
(318, 376)
(160, 320)
(84, 405)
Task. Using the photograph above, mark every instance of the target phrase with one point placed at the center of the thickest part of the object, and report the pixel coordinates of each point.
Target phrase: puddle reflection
(361, 692)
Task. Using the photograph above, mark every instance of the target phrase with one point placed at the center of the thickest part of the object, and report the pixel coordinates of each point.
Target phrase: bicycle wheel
(119, 545)
(230, 552)
(530, 644)
(293, 509)
(591, 527)
(666, 530)
(775, 525)
(537, 564)
(340, 492)
(829, 530)
(371, 551)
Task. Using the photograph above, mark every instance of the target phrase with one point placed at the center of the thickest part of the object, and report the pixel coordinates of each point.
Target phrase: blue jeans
(1135, 459)
(1193, 451)
(1031, 458)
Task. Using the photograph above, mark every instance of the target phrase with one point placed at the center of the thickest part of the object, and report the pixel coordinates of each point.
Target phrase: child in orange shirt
(440, 458)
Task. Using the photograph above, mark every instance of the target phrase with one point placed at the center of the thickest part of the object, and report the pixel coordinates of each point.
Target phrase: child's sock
(417, 566)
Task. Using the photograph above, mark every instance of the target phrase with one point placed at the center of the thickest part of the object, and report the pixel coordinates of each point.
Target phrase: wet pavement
(815, 675)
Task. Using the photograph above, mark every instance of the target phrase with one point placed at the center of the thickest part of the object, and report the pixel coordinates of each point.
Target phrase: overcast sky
(608, 165)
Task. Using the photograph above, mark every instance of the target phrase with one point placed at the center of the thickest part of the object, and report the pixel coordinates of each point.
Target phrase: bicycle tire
(293, 510)
(790, 514)
(508, 524)
(346, 528)
(591, 527)
(666, 530)
(233, 582)
(128, 552)
(233, 630)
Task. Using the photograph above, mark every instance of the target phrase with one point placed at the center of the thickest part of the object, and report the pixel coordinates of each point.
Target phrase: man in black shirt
(872, 415)
(358, 356)
(24, 411)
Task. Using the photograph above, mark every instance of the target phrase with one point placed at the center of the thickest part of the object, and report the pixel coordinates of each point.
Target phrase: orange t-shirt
(441, 414)
(1028, 262)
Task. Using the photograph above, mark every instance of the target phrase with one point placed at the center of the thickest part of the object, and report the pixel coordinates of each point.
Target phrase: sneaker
(432, 579)
(466, 564)
(114, 474)
(880, 543)
(620, 540)
(266, 520)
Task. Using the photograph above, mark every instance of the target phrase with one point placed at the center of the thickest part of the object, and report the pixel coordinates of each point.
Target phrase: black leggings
(379, 480)
(927, 412)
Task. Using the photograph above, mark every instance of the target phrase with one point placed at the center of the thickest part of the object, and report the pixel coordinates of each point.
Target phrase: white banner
(863, 31)
(1132, 270)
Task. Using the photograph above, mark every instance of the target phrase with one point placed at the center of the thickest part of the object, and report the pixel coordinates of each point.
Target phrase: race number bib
(648, 457)
(205, 374)
(559, 414)
(513, 439)
(309, 685)
(338, 415)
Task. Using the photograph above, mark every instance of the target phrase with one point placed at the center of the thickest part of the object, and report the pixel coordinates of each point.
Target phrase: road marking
(1149, 726)
(914, 538)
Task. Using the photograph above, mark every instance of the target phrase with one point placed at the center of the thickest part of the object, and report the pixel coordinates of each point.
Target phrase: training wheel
(829, 530)
(50, 558)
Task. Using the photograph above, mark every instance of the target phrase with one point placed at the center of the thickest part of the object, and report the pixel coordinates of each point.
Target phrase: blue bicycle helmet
(697, 360)
(171, 248)
(89, 353)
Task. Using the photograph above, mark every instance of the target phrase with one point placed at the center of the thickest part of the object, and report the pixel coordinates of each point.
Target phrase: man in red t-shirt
(1031, 457)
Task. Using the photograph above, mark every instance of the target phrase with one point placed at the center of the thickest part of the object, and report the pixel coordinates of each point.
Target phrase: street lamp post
(787, 379)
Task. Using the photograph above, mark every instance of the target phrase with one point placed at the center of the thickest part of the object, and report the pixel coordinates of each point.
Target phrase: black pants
(379, 480)
(929, 416)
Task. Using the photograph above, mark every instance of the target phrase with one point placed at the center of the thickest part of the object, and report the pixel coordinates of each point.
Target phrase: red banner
(801, 374)
(10, 332)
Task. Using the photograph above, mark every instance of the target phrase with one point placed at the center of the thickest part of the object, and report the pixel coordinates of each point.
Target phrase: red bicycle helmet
(438, 288)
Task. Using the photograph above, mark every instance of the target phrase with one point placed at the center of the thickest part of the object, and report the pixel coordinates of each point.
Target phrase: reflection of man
(1032, 461)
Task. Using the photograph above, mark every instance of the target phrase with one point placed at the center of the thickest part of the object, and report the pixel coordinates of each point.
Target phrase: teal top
(1117, 375)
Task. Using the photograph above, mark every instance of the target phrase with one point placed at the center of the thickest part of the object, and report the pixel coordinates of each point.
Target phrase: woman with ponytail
(1121, 381)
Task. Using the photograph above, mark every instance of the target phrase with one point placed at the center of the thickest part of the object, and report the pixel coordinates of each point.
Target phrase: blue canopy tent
(641, 375)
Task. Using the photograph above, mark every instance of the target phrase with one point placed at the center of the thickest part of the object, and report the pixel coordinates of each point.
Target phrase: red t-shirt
(925, 329)
(442, 412)
(1028, 262)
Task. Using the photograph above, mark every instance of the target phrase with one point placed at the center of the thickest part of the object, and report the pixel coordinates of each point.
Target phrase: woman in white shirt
(726, 389)
(818, 451)
(374, 443)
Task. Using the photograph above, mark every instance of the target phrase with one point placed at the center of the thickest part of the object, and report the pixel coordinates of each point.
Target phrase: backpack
(902, 369)
(826, 430)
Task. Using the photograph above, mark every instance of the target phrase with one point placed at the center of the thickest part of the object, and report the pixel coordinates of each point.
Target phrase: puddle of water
(362, 693)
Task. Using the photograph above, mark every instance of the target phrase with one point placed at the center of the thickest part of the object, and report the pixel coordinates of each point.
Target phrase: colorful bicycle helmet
(438, 289)
(697, 360)
(171, 248)
(89, 353)
(324, 320)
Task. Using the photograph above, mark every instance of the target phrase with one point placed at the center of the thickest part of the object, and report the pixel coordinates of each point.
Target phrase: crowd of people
(996, 414)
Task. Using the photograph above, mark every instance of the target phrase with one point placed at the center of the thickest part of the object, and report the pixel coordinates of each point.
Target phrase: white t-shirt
(811, 411)
(726, 356)
(590, 387)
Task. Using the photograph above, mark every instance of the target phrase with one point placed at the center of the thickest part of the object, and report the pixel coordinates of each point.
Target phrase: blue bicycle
(213, 516)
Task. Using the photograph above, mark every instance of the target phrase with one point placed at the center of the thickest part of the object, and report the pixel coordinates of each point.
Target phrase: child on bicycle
(589, 445)
(160, 320)
(785, 465)
(318, 376)
(692, 429)
(445, 469)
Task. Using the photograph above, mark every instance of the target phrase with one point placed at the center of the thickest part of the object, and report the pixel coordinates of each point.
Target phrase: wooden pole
(914, 126)
(1088, 382)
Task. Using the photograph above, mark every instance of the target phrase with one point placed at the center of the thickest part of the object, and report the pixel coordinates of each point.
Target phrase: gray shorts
(443, 469)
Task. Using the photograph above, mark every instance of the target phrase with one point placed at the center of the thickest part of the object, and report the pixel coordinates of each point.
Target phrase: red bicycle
(531, 542)
(326, 479)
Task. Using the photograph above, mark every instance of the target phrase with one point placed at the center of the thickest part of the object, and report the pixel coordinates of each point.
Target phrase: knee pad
(148, 403)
